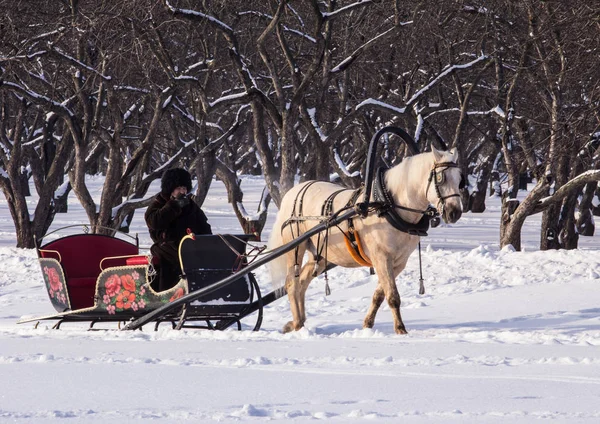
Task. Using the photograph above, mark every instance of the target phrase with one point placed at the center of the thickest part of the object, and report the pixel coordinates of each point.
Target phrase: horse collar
(387, 208)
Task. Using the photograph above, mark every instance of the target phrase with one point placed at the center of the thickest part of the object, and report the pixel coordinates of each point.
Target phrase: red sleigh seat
(80, 256)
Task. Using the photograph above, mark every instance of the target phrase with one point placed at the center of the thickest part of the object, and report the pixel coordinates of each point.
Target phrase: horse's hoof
(292, 326)
(401, 330)
(368, 324)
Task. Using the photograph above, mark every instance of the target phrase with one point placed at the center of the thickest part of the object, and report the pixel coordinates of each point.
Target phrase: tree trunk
(585, 223)
(205, 169)
(478, 195)
(518, 213)
(568, 237)
(549, 232)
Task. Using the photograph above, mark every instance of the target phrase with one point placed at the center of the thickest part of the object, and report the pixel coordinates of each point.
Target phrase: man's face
(182, 190)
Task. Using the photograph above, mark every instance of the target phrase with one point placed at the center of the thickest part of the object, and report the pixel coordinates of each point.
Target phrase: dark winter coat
(167, 222)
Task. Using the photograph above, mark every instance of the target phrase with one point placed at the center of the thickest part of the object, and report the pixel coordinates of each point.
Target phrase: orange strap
(360, 257)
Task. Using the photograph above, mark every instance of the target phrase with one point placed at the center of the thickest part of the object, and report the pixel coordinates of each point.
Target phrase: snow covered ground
(499, 337)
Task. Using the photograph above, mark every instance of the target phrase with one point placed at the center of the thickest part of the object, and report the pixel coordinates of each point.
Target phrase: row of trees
(298, 87)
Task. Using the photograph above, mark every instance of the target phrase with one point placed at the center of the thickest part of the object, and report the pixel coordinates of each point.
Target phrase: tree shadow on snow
(566, 321)
(575, 321)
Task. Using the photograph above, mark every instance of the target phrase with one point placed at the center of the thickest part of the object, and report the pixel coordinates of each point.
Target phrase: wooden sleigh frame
(97, 278)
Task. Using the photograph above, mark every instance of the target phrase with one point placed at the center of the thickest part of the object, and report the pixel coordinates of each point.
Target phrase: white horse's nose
(453, 215)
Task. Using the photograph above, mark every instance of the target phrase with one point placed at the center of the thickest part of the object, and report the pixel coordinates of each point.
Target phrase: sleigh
(97, 278)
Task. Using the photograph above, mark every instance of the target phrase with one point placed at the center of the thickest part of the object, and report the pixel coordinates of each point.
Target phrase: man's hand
(182, 200)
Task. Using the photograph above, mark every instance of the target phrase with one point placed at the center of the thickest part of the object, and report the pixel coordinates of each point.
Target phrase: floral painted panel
(126, 289)
(55, 284)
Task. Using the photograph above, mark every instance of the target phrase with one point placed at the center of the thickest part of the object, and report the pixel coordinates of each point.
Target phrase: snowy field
(500, 336)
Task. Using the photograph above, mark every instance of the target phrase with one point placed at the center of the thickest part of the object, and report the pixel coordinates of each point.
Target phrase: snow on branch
(568, 187)
(209, 18)
(203, 64)
(37, 97)
(129, 112)
(167, 101)
(342, 166)
(347, 61)
(80, 64)
(130, 88)
(134, 203)
(313, 120)
(171, 159)
(34, 141)
(495, 110)
(285, 28)
(38, 37)
(442, 74)
(380, 105)
(296, 14)
(229, 98)
(328, 15)
(185, 114)
(215, 143)
(300, 34)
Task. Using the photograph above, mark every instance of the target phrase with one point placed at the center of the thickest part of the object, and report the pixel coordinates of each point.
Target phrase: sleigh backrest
(80, 256)
(210, 258)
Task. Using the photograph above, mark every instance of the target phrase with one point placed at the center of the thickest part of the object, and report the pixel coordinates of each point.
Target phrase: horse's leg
(294, 290)
(387, 282)
(311, 269)
(376, 302)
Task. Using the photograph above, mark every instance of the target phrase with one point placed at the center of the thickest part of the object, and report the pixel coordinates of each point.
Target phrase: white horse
(400, 210)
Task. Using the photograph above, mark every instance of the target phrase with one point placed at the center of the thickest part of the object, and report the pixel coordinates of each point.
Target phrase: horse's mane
(407, 180)
(409, 167)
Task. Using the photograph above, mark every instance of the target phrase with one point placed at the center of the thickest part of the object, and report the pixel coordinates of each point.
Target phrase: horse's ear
(437, 154)
(454, 153)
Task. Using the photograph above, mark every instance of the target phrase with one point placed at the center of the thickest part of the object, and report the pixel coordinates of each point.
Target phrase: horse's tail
(278, 266)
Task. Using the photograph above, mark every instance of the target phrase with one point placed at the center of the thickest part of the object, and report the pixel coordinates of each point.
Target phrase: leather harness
(383, 204)
(386, 208)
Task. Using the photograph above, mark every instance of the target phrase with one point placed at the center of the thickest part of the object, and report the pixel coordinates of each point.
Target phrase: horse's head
(444, 184)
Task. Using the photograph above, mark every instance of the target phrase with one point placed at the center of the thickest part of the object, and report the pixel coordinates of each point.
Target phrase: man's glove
(182, 201)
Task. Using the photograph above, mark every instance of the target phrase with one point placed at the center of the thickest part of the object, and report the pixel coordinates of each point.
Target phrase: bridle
(439, 178)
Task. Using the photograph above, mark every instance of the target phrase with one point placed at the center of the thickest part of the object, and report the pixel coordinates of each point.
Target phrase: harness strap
(300, 198)
(326, 210)
(354, 246)
(352, 239)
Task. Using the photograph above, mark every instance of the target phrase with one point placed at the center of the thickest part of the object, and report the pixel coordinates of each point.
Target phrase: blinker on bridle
(438, 177)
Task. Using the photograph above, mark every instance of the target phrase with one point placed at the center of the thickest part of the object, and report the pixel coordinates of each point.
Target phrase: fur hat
(173, 178)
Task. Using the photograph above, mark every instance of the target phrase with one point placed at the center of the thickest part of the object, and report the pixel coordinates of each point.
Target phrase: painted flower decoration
(125, 290)
(113, 285)
(128, 282)
(178, 293)
(125, 299)
(54, 279)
